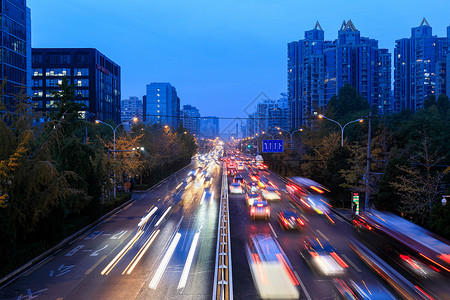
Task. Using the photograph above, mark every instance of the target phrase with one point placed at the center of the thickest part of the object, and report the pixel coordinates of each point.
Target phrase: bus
(420, 255)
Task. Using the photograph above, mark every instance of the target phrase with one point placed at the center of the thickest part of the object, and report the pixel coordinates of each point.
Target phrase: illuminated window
(157, 95)
(157, 111)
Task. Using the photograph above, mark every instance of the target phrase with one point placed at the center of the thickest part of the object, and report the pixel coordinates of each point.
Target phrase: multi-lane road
(163, 245)
(154, 248)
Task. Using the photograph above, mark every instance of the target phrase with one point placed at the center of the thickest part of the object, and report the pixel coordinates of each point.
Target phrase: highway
(311, 285)
(154, 248)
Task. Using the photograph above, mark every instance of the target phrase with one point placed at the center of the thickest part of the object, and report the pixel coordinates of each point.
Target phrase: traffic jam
(295, 246)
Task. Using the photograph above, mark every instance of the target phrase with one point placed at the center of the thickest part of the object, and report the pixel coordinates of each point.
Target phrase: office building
(96, 79)
(162, 104)
(317, 69)
(420, 67)
(209, 127)
(131, 108)
(190, 118)
(16, 48)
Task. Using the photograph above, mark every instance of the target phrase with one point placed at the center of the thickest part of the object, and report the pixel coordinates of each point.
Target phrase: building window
(37, 72)
(81, 82)
(38, 93)
(81, 72)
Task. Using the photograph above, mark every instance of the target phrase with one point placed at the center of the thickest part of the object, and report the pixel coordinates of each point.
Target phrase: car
(254, 176)
(240, 166)
(271, 269)
(270, 193)
(322, 257)
(207, 182)
(236, 188)
(289, 219)
(263, 182)
(252, 186)
(261, 167)
(232, 172)
(252, 197)
(239, 178)
(207, 196)
(260, 210)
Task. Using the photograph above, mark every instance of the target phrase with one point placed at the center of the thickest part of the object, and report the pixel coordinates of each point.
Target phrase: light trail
(145, 219)
(187, 266)
(141, 253)
(162, 217)
(119, 256)
(165, 261)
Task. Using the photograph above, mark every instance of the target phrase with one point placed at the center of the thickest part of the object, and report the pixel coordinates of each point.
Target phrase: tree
(347, 103)
(419, 186)
(429, 101)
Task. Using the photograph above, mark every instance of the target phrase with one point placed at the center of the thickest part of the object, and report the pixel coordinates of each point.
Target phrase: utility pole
(369, 141)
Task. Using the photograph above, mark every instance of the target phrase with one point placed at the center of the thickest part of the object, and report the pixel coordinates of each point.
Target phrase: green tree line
(409, 157)
(56, 176)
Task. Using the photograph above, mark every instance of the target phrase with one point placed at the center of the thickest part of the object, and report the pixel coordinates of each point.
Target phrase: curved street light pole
(342, 127)
(114, 147)
(291, 134)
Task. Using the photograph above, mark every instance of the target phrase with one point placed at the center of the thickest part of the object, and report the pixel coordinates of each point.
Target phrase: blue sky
(220, 55)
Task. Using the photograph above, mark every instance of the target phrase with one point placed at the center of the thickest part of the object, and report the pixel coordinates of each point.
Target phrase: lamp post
(272, 135)
(114, 146)
(342, 127)
(290, 133)
(153, 132)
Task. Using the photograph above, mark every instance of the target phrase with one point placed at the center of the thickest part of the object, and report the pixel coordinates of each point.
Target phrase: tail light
(300, 221)
(259, 205)
(339, 260)
(252, 210)
(267, 210)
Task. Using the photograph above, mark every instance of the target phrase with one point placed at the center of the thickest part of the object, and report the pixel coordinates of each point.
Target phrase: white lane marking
(270, 225)
(93, 235)
(187, 266)
(303, 286)
(74, 250)
(162, 217)
(323, 235)
(95, 253)
(119, 235)
(350, 262)
(61, 270)
(165, 261)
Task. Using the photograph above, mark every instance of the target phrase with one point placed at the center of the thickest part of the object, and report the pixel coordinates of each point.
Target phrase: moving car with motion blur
(289, 219)
(260, 210)
(322, 257)
(252, 197)
(252, 187)
(270, 268)
(236, 188)
(360, 290)
(270, 194)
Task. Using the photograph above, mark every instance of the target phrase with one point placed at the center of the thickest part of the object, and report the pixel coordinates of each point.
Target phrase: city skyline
(228, 52)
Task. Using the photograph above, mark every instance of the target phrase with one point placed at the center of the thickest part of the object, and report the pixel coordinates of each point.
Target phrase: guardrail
(223, 279)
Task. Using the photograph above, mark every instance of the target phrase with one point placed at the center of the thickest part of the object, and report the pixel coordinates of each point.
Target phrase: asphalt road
(311, 285)
(120, 260)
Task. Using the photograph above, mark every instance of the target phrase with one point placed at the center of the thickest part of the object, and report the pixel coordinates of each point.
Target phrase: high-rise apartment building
(95, 76)
(420, 67)
(131, 108)
(162, 104)
(317, 69)
(16, 47)
(190, 118)
(209, 127)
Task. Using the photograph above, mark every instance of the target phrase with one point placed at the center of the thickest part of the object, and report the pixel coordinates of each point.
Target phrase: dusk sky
(220, 55)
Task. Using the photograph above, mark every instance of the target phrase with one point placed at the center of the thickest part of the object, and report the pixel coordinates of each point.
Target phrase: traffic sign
(272, 146)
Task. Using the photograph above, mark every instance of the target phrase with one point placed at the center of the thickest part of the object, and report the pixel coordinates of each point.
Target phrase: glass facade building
(317, 69)
(209, 127)
(190, 117)
(95, 76)
(15, 47)
(420, 67)
(161, 104)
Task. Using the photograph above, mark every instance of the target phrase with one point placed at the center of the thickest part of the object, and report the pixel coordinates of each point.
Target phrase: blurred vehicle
(254, 176)
(236, 188)
(238, 178)
(252, 186)
(232, 172)
(191, 176)
(240, 166)
(263, 182)
(259, 210)
(270, 194)
(262, 167)
(252, 197)
(207, 196)
(207, 182)
(365, 290)
(321, 256)
(270, 268)
(290, 219)
(309, 195)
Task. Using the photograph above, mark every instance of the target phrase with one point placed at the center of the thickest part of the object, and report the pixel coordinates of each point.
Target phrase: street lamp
(264, 133)
(290, 133)
(114, 145)
(342, 127)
